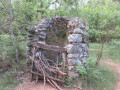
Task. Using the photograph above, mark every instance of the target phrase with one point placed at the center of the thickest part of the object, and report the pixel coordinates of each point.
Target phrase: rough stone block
(37, 54)
(73, 56)
(74, 38)
(27, 48)
(71, 68)
(81, 54)
(82, 26)
(78, 31)
(77, 41)
(73, 75)
(29, 35)
(41, 36)
(71, 48)
(42, 42)
(36, 30)
(42, 29)
(74, 62)
(85, 47)
(42, 33)
(79, 49)
(86, 54)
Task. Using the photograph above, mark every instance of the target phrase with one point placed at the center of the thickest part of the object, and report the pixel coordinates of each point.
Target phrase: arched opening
(56, 35)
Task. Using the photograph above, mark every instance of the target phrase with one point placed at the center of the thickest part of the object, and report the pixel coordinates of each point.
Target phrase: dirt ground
(116, 68)
(27, 85)
(38, 86)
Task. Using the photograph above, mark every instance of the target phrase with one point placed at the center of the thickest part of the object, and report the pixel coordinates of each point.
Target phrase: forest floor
(114, 66)
(39, 86)
(32, 85)
(109, 69)
(116, 69)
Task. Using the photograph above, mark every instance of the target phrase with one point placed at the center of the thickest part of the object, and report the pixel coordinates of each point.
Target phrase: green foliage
(7, 50)
(102, 15)
(91, 72)
(114, 50)
(7, 81)
(114, 43)
(99, 15)
(97, 77)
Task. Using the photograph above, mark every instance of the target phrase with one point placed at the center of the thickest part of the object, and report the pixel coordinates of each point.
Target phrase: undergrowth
(7, 80)
(99, 77)
(114, 50)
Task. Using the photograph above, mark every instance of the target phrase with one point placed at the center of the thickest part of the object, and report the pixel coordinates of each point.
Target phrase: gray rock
(79, 49)
(71, 48)
(28, 41)
(38, 53)
(81, 55)
(73, 56)
(78, 39)
(42, 29)
(29, 35)
(78, 31)
(74, 62)
(87, 28)
(41, 36)
(71, 67)
(42, 42)
(27, 48)
(36, 30)
(42, 33)
(82, 25)
(73, 38)
(86, 54)
(85, 47)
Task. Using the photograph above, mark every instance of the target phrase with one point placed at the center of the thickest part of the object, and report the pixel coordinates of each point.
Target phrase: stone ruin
(66, 37)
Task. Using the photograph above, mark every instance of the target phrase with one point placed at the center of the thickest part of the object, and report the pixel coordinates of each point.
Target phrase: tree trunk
(11, 29)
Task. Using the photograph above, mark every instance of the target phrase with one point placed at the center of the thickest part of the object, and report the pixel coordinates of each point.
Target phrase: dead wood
(62, 81)
(49, 73)
(50, 83)
(58, 87)
(50, 47)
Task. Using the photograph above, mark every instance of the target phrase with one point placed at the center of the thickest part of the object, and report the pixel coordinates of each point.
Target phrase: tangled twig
(50, 73)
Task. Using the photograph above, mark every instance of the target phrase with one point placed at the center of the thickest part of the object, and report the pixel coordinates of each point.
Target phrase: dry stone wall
(76, 38)
(77, 47)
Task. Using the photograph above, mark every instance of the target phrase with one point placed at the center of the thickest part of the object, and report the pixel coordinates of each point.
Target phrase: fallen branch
(48, 77)
(50, 82)
(56, 85)
(54, 70)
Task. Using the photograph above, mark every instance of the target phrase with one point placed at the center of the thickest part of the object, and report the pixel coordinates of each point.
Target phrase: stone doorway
(59, 42)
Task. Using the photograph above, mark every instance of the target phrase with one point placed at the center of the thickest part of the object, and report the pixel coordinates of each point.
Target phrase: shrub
(97, 77)
(101, 16)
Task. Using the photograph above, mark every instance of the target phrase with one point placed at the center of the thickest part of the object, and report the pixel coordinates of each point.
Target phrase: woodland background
(102, 17)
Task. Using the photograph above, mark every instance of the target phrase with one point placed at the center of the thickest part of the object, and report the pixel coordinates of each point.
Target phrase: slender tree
(9, 11)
